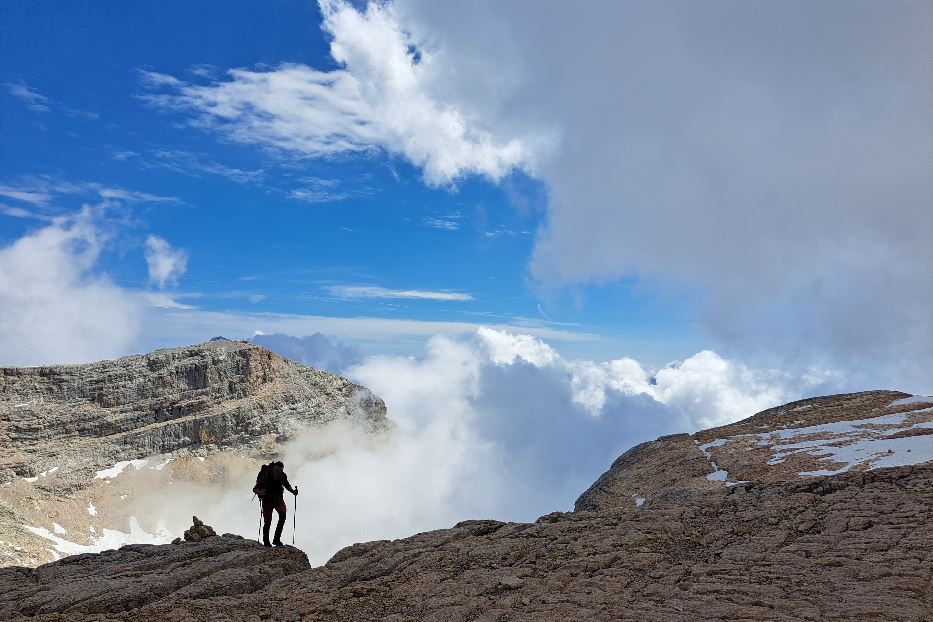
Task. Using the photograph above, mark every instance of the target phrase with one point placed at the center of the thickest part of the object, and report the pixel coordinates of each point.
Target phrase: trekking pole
(294, 515)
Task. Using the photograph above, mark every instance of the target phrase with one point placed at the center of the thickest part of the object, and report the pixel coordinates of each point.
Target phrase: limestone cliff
(81, 418)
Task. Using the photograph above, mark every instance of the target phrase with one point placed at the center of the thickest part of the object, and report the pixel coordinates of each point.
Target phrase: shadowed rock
(141, 575)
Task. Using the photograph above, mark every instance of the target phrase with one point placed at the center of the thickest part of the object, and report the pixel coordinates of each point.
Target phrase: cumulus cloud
(384, 103)
(57, 308)
(774, 159)
(166, 264)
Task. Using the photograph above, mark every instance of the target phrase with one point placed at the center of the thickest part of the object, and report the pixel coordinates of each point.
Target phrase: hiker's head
(278, 467)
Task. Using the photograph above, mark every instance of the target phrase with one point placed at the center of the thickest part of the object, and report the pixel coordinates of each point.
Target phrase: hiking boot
(277, 540)
(265, 535)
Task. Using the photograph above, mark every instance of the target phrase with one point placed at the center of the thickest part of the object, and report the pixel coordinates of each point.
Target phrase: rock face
(72, 436)
(855, 545)
(222, 393)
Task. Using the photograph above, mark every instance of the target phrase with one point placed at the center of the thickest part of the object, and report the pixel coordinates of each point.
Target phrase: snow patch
(118, 468)
(639, 501)
(58, 528)
(159, 467)
(109, 539)
(718, 476)
(91, 509)
(913, 399)
(846, 444)
(719, 442)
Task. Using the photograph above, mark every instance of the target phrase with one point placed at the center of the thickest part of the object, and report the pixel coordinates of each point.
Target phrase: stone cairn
(198, 531)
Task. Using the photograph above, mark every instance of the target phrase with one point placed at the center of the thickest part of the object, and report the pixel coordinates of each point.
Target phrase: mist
(496, 426)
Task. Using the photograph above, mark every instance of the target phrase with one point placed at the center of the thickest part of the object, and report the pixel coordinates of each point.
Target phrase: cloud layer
(500, 425)
(370, 291)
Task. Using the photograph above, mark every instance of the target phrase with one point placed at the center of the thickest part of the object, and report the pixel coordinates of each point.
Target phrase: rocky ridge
(789, 545)
(817, 436)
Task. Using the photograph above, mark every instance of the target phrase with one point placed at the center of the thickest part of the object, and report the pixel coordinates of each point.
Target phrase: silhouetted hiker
(270, 485)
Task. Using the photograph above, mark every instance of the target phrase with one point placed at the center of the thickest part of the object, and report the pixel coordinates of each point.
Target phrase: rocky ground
(79, 442)
(855, 545)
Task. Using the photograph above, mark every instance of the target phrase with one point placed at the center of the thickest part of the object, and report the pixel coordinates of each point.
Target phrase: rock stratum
(816, 510)
(209, 411)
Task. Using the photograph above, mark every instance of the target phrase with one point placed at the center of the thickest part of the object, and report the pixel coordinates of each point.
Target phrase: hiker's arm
(288, 486)
(261, 492)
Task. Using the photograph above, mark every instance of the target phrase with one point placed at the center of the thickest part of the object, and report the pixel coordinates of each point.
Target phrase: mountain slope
(817, 436)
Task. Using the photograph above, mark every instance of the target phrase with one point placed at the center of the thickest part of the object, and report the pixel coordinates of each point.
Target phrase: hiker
(269, 487)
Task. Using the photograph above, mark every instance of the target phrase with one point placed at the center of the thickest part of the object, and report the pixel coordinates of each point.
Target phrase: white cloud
(365, 291)
(166, 264)
(318, 190)
(451, 222)
(33, 100)
(25, 195)
(56, 307)
(18, 212)
(189, 163)
(496, 426)
(131, 196)
(42, 190)
(506, 348)
(383, 102)
(123, 156)
(787, 186)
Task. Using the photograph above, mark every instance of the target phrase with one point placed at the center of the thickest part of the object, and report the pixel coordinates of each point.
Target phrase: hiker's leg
(267, 522)
(282, 510)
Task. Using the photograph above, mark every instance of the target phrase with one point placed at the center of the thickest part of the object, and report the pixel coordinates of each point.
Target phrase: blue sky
(274, 232)
(679, 179)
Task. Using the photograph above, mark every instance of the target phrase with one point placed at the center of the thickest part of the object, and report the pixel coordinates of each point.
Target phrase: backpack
(262, 477)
